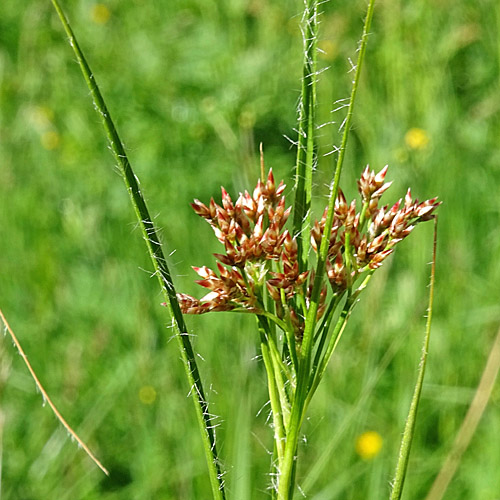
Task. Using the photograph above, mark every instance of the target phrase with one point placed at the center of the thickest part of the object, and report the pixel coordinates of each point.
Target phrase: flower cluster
(361, 241)
(261, 256)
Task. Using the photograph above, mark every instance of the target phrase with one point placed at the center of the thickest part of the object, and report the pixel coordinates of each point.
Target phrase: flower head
(260, 267)
(369, 444)
(260, 255)
(361, 241)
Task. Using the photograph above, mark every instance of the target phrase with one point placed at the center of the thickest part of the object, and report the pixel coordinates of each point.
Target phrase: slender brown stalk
(46, 397)
(470, 423)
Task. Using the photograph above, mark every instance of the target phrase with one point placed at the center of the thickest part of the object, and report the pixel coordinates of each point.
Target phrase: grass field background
(193, 87)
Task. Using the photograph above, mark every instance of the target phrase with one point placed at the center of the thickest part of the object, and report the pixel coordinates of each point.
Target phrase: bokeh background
(194, 86)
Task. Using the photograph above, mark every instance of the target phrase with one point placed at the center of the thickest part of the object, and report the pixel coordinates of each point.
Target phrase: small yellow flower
(147, 394)
(100, 14)
(417, 138)
(368, 444)
(50, 140)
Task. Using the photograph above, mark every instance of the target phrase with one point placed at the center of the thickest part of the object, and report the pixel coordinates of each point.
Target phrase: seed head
(258, 250)
(374, 239)
(252, 232)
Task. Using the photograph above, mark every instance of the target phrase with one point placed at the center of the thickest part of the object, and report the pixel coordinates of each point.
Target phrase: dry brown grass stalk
(470, 423)
(46, 397)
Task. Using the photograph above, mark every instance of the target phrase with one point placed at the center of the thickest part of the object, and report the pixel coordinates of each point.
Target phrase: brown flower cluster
(260, 256)
(360, 241)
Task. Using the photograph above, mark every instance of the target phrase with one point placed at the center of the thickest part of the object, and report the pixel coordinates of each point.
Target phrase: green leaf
(159, 262)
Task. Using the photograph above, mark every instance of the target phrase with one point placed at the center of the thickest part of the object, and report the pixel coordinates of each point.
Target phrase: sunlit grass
(176, 84)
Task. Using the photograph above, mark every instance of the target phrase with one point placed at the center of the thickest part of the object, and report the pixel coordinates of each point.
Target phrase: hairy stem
(159, 262)
(285, 488)
(305, 143)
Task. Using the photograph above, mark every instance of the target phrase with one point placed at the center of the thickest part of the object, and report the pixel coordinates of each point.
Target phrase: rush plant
(300, 277)
(259, 273)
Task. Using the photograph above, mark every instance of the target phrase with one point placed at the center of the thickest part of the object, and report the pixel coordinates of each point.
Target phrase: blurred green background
(194, 86)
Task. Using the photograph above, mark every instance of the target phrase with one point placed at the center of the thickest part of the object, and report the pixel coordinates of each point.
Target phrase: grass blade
(298, 405)
(404, 450)
(323, 250)
(159, 262)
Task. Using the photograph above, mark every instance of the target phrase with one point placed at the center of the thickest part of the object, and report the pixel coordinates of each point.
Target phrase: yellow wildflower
(369, 444)
(417, 138)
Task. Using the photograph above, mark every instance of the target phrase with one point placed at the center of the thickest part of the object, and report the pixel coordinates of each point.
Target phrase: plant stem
(406, 441)
(285, 487)
(279, 429)
(469, 424)
(325, 240)
(323, 330)
(159, 262)
(46, 397)
(305, 143)
(334, 340)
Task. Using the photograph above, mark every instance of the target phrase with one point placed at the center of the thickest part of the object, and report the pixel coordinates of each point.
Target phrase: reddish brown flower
(262, 258)
(373, 232)
(258, 252)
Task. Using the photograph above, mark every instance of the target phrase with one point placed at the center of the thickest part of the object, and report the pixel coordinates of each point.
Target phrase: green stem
(318, 373)
(274, 319)
(324, 330)
(159, 262)
(334, 340)
(362, 216)
(278, 360)
(305, 144)
(285, 488)
(292, 348)
(290, 344)
(404, 450)
(325, 240)
(274, 396)
(281, 386)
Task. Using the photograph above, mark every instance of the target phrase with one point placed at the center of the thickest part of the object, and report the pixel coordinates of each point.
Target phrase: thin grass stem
(334, 340)
(323, 331)
(280, 383)
(305, 145)
(406, 441)
(274, 395)
(46, 397)
(325, 240)
(159, 262)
